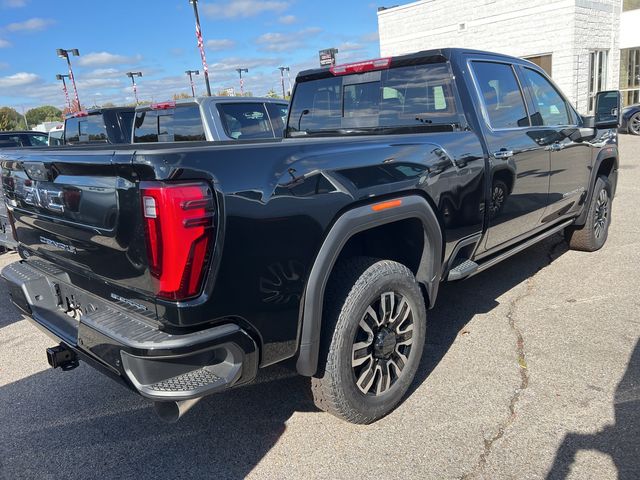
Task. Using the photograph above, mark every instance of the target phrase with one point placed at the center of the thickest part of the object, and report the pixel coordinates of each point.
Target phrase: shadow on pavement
(81, 424)
(458, 302)
(621, 440)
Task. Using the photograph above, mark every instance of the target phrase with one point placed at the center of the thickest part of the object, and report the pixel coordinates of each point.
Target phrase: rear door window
(245, 121)
(181, 124)
(501, 95)
(8, 141)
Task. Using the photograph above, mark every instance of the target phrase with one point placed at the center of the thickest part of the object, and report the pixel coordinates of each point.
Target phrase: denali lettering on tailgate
(61, 246)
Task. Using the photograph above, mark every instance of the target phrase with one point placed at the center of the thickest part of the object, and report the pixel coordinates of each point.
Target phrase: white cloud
(96, 59)
(4, 43)
(286, 42)
(349, 47)
(220, 44)
(242, 8)
(20, 79)
(14, 3)
(288, 19)
(31, 25)
(231, 63)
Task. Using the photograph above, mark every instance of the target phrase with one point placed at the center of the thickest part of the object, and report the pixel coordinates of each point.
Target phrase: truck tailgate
(77, 209)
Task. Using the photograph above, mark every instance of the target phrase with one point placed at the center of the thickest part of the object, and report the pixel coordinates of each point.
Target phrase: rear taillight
(179, 226)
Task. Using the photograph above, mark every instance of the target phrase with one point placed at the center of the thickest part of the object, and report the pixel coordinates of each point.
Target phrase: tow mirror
(608, 109)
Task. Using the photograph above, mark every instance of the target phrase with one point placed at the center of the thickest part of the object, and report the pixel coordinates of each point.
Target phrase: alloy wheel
(382, 344)
(602, 213)
(634, 124)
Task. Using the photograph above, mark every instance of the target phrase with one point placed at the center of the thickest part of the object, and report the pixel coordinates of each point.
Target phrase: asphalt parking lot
(531, 370)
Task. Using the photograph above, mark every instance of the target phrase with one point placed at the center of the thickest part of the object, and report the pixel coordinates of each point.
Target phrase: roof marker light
(361, 67)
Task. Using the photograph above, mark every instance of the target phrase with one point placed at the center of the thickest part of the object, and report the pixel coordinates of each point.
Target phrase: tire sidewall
(348, 322)
(630, 130)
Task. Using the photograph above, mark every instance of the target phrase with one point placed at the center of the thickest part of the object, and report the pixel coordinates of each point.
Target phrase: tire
(633, 125)
(499, 194)
(378, 306)
(593, 234)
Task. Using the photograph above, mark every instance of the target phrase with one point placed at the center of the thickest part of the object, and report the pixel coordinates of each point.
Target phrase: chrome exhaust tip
(171, 412)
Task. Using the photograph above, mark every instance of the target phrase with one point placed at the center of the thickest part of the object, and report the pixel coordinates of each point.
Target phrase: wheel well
(401, 241)
(506, 177)
(606, 167)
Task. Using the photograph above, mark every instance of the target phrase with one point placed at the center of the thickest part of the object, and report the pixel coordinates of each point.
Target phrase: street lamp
(132, 76)
(62, 53)
(192, 72)
(282, 70)
(240, 70)
(201, 45)
(64, 88)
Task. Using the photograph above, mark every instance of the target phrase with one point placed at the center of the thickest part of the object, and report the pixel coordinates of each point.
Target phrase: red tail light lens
(179, 225)
(361, 67)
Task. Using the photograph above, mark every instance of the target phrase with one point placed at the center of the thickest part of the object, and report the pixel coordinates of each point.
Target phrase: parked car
(211, 119)
(631, 119)
(181, 268)
(13, 140)
(99, 125)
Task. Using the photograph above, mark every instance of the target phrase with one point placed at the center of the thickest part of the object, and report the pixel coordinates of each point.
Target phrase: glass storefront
(630, 75)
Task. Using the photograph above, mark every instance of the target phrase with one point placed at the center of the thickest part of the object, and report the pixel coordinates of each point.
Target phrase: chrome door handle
(503, 154)
(556, 147)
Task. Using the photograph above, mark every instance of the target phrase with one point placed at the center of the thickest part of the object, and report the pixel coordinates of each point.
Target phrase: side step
(462, 270)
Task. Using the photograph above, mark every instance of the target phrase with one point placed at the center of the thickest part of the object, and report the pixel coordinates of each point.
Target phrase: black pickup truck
(182, 268)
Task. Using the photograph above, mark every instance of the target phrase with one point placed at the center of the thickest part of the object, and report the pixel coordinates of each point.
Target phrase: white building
(585, 45)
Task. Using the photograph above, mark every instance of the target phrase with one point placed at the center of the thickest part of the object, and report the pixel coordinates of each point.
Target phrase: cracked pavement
(531, 370)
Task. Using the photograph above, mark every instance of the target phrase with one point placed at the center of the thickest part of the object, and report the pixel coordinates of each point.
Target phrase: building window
(543, 61)
(630, 5)
(630, 75)
(597, 74)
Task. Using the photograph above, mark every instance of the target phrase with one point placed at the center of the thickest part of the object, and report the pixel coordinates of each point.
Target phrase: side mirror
(608, 109)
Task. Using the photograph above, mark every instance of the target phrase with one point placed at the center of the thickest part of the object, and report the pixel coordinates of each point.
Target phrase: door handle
(503, 154)
(556, 147)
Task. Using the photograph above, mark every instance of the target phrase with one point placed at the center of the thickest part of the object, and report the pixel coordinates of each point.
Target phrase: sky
(157, 37)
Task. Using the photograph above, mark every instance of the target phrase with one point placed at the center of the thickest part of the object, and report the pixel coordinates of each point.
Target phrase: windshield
(401, 98)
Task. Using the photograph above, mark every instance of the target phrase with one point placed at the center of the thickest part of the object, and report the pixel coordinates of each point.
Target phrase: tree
(10, 119)
(272, 94)
(46, 113)
(178, 96)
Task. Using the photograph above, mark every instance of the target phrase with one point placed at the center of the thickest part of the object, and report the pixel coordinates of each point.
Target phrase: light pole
(132, 76)
(193, 88)
(282, 70)
(62, 53)
(64, 88)
(240, 70)
(201, 45)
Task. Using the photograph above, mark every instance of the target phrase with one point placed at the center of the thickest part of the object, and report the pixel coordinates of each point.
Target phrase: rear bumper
(158, 365)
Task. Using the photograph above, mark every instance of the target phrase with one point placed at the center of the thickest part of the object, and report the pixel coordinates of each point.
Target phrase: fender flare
(609, 152)
(347, 225)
